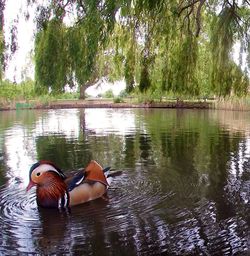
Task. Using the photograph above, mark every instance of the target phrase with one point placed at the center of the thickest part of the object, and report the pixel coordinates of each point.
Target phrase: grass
(233, 103)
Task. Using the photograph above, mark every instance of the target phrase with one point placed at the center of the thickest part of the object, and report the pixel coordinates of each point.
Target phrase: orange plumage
(94, 172)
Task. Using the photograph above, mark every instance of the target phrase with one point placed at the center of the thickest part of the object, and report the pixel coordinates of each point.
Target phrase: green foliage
(226, 77)
(23, 91)
(151, 95)
(129, 69)
(50, 57)
(68, 96)
(108, 94)
(145, 81)
(118, 100)
(69, 55)
(77, 53)
(181, 77)
(183, 48)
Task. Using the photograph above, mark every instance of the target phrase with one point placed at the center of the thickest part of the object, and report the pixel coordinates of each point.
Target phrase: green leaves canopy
(51, 59)
(183, 47)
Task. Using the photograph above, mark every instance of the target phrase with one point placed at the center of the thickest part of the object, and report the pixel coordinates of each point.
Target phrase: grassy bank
(240, 104)
(23, 96)
(47, 102)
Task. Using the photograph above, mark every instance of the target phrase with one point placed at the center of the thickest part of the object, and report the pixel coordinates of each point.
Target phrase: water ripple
(15, 205)
(136, 214)
(18, 216)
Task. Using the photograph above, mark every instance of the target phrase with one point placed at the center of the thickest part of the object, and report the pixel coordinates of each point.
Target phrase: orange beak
(31, 184)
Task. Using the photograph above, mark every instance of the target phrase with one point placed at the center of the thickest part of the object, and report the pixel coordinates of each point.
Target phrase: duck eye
(38, 174)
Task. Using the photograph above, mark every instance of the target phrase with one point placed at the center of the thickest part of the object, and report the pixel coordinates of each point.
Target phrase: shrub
(12, 91)
(118, 100)
(108, 94)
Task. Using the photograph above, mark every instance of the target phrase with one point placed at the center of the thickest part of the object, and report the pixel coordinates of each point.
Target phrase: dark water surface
(184, 188)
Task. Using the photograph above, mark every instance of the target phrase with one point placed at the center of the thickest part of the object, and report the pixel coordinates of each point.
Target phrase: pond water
(184, 187)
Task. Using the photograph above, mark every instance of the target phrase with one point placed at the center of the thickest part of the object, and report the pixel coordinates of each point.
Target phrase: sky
(25, 37)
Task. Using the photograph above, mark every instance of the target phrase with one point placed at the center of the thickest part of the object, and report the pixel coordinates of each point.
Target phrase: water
(184, 187)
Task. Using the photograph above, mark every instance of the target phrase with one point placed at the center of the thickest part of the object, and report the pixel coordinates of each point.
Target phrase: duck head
(51, 189)
(38, 169)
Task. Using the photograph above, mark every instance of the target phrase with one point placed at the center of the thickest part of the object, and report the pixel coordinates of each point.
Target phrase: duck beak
(31, 184)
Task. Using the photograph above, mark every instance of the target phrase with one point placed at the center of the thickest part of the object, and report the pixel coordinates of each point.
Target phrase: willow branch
(63, 6)
(198, 17)
(188, 5)
(188, 18)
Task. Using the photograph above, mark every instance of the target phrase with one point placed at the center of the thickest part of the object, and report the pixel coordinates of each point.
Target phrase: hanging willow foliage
(240, 82)
(143, 34)
(51, 58)
(224, 30)
(72, 51)
(145, 81)
(150, 43)
(181, 77)
(129, 69)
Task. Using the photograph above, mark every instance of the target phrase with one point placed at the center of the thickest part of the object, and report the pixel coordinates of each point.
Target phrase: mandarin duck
(55, 190)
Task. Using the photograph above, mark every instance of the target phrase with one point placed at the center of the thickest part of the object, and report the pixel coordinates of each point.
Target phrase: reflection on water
(184, 188)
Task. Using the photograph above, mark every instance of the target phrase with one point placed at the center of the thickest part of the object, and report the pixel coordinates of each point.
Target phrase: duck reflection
(54, 229)
(72, 227)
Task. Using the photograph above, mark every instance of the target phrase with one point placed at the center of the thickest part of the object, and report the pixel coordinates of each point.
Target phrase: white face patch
(44, 168)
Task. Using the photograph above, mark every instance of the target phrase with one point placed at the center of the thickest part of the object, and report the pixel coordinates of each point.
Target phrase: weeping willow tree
(178, 47)
(182, 47)
(226, 77)
(68, 55)
(51, 60)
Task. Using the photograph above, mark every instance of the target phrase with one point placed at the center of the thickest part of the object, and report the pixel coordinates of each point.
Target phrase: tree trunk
(82, 92)
(85, 86)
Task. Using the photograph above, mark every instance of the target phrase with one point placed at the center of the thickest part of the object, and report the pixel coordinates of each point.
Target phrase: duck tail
(106, 172)
(110, 175)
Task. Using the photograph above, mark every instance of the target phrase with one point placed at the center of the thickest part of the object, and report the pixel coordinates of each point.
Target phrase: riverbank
(239, 105)
(93, 103)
